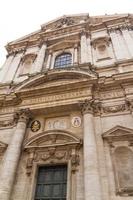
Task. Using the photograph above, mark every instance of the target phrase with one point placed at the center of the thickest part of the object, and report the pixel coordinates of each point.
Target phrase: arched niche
(123, 163)
(120, 145)
(26, 63)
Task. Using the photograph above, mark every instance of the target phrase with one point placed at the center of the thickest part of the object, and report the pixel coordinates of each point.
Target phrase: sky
(21, 17)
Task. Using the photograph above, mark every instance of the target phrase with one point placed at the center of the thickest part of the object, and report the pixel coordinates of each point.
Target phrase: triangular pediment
(118, 133)
(52, 138)
(65, 21)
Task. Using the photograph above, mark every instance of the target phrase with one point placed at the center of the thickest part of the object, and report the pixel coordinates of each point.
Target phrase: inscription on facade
(57, 123)
(57, 97)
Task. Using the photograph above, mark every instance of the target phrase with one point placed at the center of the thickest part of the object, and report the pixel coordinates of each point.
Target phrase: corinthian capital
(23, 115)
(86, 106)
(90, 106)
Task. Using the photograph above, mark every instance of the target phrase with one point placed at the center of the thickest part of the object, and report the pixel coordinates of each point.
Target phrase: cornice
(89, 25)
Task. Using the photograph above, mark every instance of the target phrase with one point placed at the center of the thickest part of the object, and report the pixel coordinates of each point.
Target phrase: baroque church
(66, 111)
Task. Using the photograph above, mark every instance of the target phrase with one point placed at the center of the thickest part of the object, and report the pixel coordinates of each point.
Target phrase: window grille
(51, 183)
(63, 60)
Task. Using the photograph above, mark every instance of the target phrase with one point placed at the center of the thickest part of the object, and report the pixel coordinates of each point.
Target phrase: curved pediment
(55, 76)
(52, 138)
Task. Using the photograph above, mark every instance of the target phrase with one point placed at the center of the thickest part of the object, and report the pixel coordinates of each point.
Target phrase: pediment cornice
(55, 78)
(118, 133)
(52, 138)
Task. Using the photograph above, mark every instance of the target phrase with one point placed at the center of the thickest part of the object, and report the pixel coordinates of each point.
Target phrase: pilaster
(128, 40)
(49, 60)
(84, 48)
(40, 59)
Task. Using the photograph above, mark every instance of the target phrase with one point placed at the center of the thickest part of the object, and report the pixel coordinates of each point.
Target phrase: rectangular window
(51, 183)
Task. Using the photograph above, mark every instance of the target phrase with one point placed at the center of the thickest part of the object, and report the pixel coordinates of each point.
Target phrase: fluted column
(12, 155)
(91, 172)
(84, 48)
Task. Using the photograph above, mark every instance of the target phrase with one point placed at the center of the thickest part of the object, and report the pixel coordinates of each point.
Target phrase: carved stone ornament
(76, 121)
(115, 108)
(35, 126)
(96, 107)
(90, 106)
(86, 106)
(23, 115)
(65, 22)
(6, 123)
(3, 147)
(100, 40)
(52, 147)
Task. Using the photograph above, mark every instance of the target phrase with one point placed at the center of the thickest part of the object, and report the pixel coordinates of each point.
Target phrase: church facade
(66, 111)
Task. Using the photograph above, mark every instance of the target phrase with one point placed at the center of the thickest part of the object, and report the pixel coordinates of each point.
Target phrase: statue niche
(123, 158)
(27, 62)
(120, 143)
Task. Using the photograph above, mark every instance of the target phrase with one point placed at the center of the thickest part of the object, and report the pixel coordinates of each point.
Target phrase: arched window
(63, 60)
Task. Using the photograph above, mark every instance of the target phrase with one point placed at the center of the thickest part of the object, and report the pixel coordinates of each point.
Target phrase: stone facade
(80, 115)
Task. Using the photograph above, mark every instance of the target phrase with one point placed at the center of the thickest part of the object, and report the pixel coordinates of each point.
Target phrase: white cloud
(18, 18)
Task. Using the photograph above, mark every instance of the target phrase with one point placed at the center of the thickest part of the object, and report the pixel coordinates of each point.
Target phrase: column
(75, 54)
(84, 48)
(40, 59)
(49, 60)
(128, 40)
(12, 156)
(92, 187)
